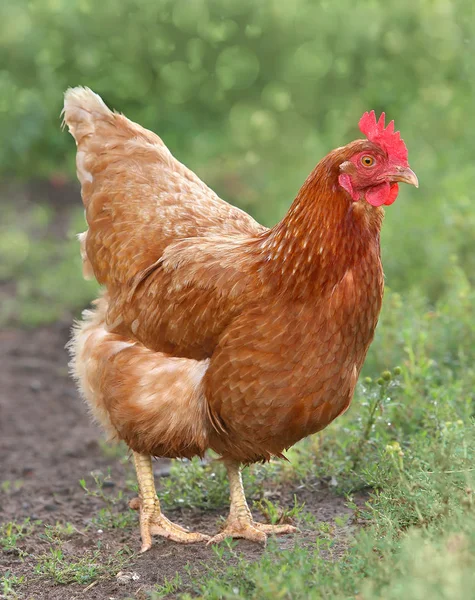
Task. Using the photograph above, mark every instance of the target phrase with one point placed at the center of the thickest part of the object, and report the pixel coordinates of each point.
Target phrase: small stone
(50, 507)
(35, 385)
(123, 578)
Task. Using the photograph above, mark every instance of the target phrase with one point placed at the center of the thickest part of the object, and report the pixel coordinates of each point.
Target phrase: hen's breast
(286, 370)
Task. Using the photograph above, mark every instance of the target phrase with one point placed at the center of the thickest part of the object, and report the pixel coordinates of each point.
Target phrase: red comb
(387, 138)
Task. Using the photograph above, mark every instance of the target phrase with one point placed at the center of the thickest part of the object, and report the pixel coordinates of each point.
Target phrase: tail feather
(97, 129)
(82, 107)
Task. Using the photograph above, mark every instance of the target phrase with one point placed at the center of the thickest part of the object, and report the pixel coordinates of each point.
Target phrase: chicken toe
(152, 521)
(242, 530)
(240, 523)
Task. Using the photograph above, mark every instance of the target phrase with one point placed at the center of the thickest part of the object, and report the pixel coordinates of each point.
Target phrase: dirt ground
(47, 444)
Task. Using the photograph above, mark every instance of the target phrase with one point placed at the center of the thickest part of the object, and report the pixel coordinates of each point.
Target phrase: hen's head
(373, 167)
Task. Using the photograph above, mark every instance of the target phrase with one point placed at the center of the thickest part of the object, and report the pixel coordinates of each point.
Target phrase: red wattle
(394, 191)
(378, 194)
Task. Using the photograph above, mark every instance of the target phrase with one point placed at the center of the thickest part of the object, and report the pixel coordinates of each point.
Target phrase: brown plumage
(214, 331)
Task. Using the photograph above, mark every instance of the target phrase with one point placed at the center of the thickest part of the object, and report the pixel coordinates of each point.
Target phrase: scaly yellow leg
(240, 523)
(152, 521)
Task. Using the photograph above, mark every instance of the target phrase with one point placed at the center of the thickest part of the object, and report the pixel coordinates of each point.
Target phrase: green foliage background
(252, 94)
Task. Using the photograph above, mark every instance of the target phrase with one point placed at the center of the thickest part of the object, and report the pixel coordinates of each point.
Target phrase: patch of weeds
(11, 533)
(59, 531)
(277, 515)
(170, 586)
(196, 484)
(428, 480)
(388, 559)
(8, 487)
(9, 583)
(109, 517)
(84, 569)
(277, 574)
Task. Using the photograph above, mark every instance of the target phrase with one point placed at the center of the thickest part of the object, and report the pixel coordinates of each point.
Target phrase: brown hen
(214, 331)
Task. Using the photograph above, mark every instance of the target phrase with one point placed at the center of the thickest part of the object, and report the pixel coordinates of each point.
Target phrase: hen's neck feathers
(323, 234)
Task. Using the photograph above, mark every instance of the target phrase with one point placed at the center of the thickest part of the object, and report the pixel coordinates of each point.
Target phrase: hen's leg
(152, 521)
(240, 523)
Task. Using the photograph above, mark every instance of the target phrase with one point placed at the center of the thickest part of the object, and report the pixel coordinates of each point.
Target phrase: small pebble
(126, 577)
(35, 385)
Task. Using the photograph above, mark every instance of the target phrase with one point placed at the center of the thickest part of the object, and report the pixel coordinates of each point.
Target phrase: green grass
(110, 516)
(91, 566)
(51, 560)
(12, 532)
(9, 584)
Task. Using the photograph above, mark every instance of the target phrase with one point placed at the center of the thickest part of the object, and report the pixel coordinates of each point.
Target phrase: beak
(405, 175)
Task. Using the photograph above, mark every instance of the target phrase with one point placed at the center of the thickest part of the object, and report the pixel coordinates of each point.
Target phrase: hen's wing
(138, 197)
(170, 251)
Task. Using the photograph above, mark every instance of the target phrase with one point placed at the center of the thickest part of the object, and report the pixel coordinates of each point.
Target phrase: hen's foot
(153, 522)
(240, 523)
(250, 530)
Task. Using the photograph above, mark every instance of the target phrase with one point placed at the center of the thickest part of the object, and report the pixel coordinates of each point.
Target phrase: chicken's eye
(367, 161)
